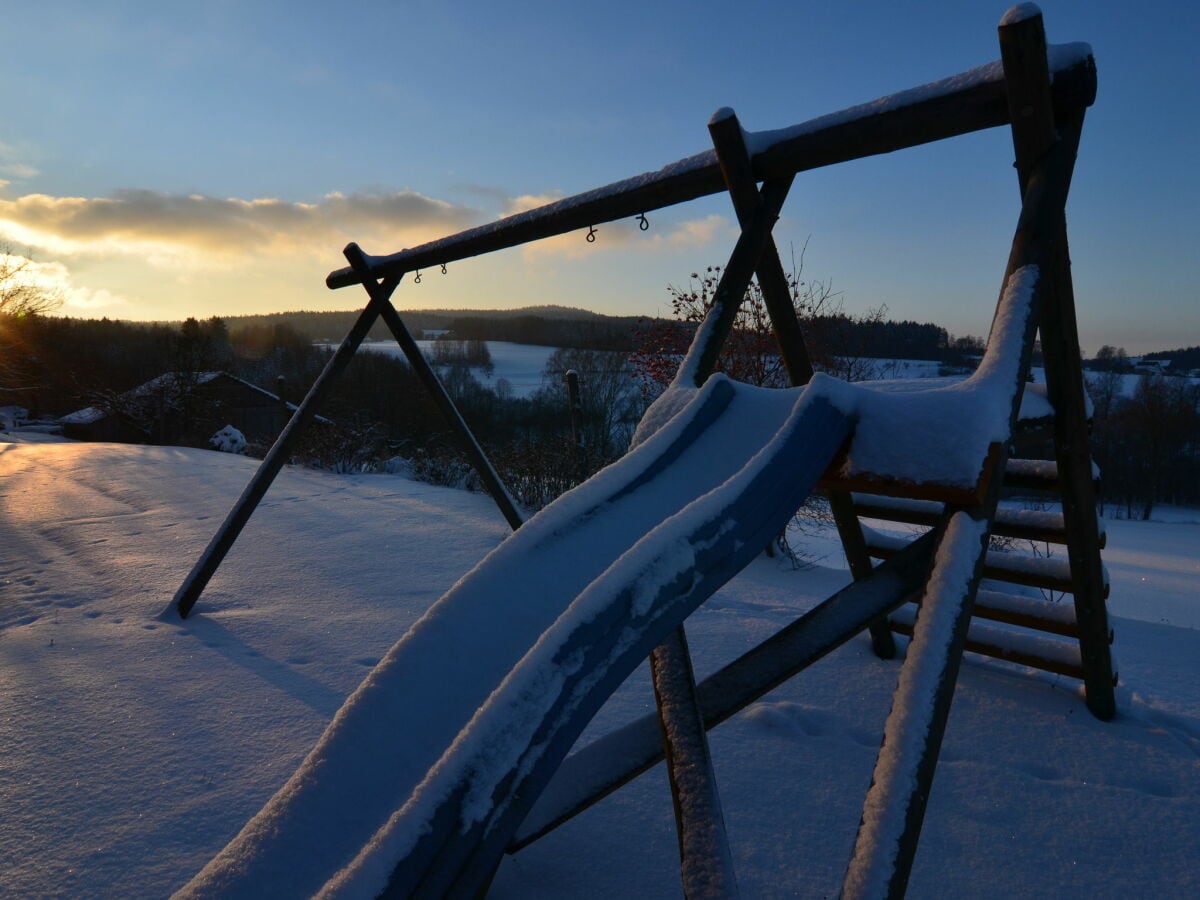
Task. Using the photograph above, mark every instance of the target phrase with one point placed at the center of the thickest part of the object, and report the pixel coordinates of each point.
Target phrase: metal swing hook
(591, 235)
(443, 268)
(417, 277)
(643, 222)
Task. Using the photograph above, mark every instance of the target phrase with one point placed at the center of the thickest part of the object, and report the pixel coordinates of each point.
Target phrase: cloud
(526, 202)
(171, 229)
(19, 170)
(55, 280)
(624, 235)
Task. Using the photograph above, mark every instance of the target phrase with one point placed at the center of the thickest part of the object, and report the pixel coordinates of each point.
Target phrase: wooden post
(734, 159)
(706, 866)
(883, 856)
(474, 453)
(1023, 52)
(858, 558)
(571, 377)
(703, 354)
(738, 172)
(193, 586)
(697, 807)
(894, 811)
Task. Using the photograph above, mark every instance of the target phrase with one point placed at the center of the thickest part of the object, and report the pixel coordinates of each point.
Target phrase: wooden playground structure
(927, 588)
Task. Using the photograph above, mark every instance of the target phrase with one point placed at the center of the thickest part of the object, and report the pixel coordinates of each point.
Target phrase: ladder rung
(1047, 654)
(1023, 524)
(1037, 475)
(1030, 612)
(1052, 573)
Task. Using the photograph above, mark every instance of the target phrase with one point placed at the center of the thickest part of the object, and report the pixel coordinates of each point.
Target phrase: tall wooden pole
(1023, 51)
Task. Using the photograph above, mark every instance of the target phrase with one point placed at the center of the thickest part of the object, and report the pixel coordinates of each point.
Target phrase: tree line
(1146, 440)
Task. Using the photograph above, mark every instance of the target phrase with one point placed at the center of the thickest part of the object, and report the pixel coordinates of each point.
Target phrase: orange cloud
(174, 228)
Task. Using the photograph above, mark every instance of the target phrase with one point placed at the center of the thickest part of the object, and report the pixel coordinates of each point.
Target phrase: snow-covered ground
(133, 746)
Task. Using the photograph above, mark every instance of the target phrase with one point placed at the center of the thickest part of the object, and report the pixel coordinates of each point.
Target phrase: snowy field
(521, 365)
(134, 746)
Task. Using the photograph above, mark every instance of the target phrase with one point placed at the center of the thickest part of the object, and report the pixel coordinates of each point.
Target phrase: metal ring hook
(643, 222)
(591, 235)
(417, 278)
(443, 268)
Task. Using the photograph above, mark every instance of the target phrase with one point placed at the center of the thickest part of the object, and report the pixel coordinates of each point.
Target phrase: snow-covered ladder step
(1023, 524)
(1048, 573)
(1048, 654)
(1030, 612)
(1037, 475)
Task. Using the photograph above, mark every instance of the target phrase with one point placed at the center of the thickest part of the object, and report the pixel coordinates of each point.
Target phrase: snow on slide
(426, 771)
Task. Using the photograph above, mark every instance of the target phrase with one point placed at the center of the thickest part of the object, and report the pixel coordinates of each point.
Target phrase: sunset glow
(216, 161)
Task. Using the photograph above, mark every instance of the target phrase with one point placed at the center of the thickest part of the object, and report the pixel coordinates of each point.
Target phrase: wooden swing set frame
(1042, 97)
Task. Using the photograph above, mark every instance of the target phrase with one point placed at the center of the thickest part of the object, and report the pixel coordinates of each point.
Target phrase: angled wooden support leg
(859, 559)
(895, 806)
(1034, 129)
(686, 743)
(738, 172)
(466, 438)
(205, 567)
(705, 350)
(705, 862)
(1065, 388)
(736, 167)
(607, 763)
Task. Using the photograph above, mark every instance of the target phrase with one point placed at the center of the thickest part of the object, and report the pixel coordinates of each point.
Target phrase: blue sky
(162, 160)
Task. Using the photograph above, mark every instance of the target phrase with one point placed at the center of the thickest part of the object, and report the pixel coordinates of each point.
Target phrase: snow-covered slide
(424, 774)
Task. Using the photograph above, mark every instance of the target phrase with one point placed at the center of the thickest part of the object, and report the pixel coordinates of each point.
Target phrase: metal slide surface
(427, 770)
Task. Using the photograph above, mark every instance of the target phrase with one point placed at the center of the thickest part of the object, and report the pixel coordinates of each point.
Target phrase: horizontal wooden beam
(1059, 657)
(1027, 612)
(961, 104)
(1028, 525)
(1035, 475)
(883, 485)
(1046, 573)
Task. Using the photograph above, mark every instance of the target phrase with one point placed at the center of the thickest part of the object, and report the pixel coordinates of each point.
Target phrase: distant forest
(380, 413)
(331, 327)
(1187, 358)
(56, 364)
(557, 326)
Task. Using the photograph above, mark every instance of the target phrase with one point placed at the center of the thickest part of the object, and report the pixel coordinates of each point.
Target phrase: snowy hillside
(135, 746)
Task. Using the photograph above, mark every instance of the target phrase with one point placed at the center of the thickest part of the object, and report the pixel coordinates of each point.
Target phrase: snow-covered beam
(963, 103)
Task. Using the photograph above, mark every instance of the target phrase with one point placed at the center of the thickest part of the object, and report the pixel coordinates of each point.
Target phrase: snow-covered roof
(165, 385)
(85, 416)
